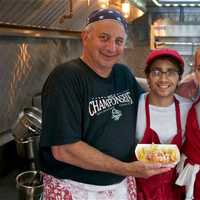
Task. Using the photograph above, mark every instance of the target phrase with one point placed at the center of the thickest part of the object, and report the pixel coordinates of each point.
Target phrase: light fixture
(130, 9)
(103, 3)
(157, 3)
(126, 8)
(183, 3)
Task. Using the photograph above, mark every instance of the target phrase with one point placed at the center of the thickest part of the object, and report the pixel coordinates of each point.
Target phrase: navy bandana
(102, 14)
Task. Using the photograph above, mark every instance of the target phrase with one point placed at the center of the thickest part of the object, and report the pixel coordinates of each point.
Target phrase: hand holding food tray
(166, 154)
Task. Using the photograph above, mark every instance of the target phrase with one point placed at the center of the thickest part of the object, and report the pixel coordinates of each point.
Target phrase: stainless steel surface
(176, 30)
(183, 38)
(57, 14)
(28, 148)
(36, 32)
(26, 132)
(24, 66)
(26, 189)
(27, 124)
(42, 13)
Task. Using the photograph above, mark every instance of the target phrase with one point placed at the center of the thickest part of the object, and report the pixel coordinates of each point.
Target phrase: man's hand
(145, 170)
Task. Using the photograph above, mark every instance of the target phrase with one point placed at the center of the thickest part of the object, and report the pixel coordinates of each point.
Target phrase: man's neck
(160, 101)
(101, 72)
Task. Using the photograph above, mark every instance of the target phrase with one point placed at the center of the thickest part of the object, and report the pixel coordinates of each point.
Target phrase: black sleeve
(61, 110)
(139, 89)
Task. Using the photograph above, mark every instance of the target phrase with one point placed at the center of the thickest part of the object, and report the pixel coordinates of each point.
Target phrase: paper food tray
(167, 154)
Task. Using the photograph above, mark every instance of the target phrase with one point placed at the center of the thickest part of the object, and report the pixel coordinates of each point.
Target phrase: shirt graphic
(99, 105)
(116, 114)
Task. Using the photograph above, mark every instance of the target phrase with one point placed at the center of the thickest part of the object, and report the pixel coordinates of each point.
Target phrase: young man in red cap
(89, 108)
(189, 167)
(164, 119)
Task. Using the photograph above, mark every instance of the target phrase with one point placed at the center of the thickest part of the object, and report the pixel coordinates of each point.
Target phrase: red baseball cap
(164, 52)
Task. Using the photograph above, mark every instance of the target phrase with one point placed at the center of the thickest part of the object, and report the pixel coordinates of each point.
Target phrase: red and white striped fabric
(55, 189)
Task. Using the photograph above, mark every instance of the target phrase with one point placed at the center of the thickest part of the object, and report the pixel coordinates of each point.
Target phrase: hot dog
(158, 153)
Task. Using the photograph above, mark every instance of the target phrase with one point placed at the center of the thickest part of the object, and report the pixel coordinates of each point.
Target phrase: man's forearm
(87, 157)
(82, 155)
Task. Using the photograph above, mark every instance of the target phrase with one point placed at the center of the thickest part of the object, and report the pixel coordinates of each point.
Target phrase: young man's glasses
(170, 73)
(198, 69)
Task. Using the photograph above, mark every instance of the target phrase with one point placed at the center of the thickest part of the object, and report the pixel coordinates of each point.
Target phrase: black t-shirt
(77, 104)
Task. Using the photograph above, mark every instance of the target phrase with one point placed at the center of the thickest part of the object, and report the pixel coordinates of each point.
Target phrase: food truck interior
(37, 35)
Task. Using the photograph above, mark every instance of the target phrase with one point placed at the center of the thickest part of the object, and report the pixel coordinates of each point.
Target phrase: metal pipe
(178, 43)
(7, 29)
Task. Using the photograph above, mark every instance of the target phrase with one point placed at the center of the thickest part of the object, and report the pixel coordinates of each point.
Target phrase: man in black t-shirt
(89, 114)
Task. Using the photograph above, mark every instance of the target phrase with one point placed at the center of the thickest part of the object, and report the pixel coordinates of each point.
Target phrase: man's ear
(83, 36)
(148, 82)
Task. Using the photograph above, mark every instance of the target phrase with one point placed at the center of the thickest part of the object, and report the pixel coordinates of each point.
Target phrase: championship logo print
(116, 114)
(99, 105)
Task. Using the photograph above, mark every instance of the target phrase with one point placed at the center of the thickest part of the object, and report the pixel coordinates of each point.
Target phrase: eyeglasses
(198, 69)
(170, 73)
